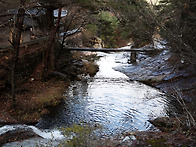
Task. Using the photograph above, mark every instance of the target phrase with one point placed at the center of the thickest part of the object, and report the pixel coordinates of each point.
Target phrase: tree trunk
(49, 19)
(50, 49)
(16, 36)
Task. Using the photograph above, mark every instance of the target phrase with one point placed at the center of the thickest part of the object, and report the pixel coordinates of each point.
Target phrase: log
(109, 49)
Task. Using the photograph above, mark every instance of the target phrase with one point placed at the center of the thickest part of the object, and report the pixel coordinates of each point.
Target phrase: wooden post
(133, 57)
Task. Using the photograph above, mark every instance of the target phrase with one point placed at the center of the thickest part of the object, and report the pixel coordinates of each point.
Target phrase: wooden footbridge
(38, 41)
(110, 49)
(128, 49)
(133, 55)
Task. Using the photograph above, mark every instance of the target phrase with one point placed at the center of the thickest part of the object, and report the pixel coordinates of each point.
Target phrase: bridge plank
(110, 49)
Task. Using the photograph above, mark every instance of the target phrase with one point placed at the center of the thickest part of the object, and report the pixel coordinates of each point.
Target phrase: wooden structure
(109, 49)
(133, 55)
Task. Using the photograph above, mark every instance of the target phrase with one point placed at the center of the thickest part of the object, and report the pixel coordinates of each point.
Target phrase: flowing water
(110, 100)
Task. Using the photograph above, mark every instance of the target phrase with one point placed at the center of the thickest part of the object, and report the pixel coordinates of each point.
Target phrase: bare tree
(50, 48)
(74, 21)
(16, 36)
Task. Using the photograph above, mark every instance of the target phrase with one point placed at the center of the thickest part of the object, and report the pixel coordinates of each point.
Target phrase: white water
(47, 137)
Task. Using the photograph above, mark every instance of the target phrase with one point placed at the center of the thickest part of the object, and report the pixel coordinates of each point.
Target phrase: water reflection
(111, 100)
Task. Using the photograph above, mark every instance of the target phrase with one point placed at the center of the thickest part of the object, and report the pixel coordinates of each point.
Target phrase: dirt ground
(34, 98)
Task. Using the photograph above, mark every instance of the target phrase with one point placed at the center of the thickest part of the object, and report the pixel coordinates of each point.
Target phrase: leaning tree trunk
(49, 55)
(16, 36)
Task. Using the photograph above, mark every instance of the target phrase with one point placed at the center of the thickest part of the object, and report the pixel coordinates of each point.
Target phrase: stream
(109, 99)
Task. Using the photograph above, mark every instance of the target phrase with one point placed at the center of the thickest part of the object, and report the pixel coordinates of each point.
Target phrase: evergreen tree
(135, 19)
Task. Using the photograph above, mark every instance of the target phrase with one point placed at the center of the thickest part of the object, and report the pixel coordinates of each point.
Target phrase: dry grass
(187, 118)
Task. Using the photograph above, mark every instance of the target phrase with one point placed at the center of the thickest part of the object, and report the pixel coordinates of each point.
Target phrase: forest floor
(33, 100)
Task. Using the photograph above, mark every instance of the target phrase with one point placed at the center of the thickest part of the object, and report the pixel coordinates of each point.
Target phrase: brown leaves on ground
(33, 99)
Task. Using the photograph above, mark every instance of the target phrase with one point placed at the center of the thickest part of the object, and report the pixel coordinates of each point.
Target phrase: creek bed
(109, 99)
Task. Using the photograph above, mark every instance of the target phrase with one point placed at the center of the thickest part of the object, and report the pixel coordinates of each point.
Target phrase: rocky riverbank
(176, 77)
(165, 71)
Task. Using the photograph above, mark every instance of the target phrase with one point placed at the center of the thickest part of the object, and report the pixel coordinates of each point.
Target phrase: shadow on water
(109, 99)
